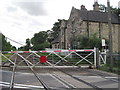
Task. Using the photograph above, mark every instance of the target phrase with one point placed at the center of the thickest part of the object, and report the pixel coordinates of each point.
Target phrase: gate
(102, 57)
(55, 58)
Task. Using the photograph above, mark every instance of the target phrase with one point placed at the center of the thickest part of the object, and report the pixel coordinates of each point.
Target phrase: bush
(89, 42)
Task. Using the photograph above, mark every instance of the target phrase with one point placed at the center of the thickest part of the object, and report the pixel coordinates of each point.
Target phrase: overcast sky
(20, 19)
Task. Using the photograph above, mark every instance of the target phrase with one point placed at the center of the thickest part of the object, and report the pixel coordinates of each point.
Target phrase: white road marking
(112, 77)
(19, 85)
(98, 77)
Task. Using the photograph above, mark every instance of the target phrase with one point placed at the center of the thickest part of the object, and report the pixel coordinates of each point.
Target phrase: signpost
(103, 43)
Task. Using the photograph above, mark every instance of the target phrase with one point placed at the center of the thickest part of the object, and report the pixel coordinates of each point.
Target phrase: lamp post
(110, 35)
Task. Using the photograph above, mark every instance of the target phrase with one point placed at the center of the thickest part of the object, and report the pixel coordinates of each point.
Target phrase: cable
(14, 41)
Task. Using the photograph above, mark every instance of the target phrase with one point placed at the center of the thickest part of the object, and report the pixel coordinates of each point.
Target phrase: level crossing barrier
(54, 58)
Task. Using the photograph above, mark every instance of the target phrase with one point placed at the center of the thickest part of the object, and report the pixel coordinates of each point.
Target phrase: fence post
(96, 58)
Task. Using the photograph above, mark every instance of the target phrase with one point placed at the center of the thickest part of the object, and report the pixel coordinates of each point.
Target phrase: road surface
(60, 79)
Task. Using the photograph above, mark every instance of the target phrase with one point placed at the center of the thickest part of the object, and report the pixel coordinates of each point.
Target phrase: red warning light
(43, 59)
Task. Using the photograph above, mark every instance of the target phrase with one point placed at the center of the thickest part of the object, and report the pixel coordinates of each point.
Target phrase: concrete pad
(74, 82)
(91, 79)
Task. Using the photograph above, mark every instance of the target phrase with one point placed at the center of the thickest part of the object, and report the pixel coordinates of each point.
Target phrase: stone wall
(100, 29)
(115, 37)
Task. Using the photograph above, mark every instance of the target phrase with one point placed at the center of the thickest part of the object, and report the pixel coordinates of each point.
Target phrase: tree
(27, 46)
(50, 37)
(56, 29)
(21, 48)
(6, 46)
(103, 8)
(40, 41)
(89, 42)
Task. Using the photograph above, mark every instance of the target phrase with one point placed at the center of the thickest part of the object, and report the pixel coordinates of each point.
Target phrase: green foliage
(8, 55)
(56, 29)
(27, 47)
(115, 68)
(43, 54)
(21, 48)
(103, 8)
(40, 41)
(41, 46)
(89, 42)
(95, 41)
(40, 37)
(6, 46)
(43, 39)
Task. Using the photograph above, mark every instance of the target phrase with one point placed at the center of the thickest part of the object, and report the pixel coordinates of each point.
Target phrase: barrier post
(97, 58)
(94, 56)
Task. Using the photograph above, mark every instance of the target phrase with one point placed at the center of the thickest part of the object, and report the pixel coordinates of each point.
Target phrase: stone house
(55, 43)
(86, 23)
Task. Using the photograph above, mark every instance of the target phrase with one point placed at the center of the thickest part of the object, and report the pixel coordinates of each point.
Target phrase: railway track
(57, 78)
(64, 79)
(80, 80)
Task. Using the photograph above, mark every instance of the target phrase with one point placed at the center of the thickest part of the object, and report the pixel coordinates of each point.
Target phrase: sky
(21, 19)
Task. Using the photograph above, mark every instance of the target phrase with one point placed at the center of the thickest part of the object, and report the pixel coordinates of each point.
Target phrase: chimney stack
(83, 7)
(96, 6)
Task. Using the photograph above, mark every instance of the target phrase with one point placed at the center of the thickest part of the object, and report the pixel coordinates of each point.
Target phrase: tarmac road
(58, 80)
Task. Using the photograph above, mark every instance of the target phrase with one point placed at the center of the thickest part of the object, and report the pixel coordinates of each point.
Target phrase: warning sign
(43, 59)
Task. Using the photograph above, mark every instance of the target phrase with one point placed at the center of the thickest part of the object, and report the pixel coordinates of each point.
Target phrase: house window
(55, 46)
(58, 46)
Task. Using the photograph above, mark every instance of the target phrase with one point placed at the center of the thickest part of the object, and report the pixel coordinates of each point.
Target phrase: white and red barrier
(63, 55)
(85, 50)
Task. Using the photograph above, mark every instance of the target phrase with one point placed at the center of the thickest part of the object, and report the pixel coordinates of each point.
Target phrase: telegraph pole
(110, 35)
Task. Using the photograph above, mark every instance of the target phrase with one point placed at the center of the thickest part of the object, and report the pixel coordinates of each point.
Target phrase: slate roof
(97, 16)
(55, 40)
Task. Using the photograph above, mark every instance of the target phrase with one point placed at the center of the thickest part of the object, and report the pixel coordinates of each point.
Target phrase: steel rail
(24, 58)
(63, 81)
(39, 79)
(13, 75)
(91, 85)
